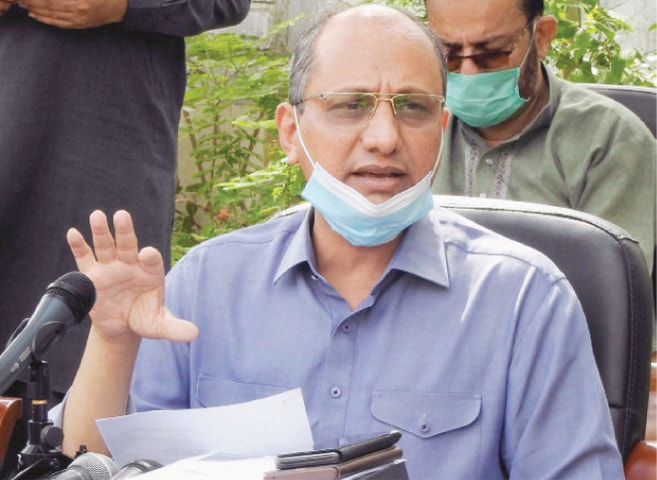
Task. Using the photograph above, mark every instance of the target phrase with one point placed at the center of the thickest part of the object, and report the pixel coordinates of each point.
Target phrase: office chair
(643, 102)
(608, 271)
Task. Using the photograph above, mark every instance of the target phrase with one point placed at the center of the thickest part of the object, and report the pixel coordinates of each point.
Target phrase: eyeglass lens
(412, 110)
(488, 61)
(485, 60)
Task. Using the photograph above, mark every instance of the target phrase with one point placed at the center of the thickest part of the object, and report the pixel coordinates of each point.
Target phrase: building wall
(640, 14)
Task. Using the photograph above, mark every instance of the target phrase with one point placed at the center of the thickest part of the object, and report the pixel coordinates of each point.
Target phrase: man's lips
(376, 180)
(378, 172)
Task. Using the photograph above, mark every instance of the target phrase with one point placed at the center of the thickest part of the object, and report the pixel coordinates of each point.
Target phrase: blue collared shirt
(473, 346)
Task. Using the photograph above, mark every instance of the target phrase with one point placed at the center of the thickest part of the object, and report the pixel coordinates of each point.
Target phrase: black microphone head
(99, 466)
(67, 302)
(77, 291)
(135, 468)
(146, 465)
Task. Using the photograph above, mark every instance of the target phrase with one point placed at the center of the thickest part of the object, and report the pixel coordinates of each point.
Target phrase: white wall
(266, 13)
(640, 14)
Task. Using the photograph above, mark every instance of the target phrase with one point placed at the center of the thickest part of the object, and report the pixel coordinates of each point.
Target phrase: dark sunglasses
(493, 60)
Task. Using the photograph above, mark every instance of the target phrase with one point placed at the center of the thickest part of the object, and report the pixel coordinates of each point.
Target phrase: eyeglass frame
(377, 98)
(473, 56)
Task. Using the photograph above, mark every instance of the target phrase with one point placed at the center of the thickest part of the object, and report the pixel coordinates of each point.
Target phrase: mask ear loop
(436, 164)
(300, 137)
(532, 35)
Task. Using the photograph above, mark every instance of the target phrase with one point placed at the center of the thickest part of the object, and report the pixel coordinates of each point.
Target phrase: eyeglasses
(353, 109)
(488, 61)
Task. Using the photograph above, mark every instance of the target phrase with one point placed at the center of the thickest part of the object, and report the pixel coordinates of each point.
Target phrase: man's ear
(287, 131)
(546, 29)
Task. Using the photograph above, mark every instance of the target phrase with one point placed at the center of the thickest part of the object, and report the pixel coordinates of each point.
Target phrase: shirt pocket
(427, 415)
(213, 392)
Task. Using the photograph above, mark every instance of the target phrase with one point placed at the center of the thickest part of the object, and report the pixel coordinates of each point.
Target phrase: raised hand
(129, 283)
(75, 13)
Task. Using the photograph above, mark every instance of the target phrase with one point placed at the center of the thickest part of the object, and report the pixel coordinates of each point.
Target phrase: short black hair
(532, 8)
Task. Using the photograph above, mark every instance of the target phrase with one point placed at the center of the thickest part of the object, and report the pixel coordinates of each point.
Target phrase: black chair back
(607, 269)
(643, 102)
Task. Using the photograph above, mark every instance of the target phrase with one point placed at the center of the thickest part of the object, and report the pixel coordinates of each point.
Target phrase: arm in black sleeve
(183, 17)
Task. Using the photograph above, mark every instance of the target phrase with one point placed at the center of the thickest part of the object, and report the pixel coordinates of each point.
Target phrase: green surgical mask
(484, 99)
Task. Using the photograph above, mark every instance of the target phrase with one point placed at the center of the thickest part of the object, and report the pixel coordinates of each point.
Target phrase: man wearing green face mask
(516, 131)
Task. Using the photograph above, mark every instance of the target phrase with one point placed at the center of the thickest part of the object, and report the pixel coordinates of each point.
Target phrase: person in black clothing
(90, 99)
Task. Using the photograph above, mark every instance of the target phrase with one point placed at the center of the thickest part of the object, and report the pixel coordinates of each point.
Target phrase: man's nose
(382, 131)
(469, 66)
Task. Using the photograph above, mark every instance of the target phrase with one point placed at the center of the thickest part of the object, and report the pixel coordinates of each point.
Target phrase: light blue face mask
(353, 216)
(485, 99)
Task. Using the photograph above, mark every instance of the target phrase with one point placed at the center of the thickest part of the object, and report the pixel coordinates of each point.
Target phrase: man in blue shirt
(387, 313)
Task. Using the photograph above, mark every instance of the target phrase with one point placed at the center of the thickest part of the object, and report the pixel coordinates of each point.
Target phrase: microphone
(66, 302)
(135, 468)
(88, 466)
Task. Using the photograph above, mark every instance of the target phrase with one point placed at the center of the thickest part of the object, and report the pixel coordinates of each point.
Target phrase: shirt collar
(421, 251)
(300, 248)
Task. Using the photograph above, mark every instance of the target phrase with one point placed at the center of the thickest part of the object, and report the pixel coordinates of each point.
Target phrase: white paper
(214, 467)
(259, 428)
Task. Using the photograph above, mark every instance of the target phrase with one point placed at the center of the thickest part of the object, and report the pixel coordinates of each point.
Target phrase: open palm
(129, 283)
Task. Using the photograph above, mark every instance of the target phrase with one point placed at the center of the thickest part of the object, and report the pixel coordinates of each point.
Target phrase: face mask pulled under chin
(350, 214)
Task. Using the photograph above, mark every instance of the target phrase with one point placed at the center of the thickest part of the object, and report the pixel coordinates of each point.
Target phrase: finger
(151, 261)
(57, 13)
(176, 329)
(126, 238)
(82, 252)
(30, 4)
(5, 5)
(56, 5)
(46, 5)
(102, 237)
(56, 20)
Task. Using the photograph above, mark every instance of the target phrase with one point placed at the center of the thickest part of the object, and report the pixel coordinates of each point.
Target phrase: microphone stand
(42, 455)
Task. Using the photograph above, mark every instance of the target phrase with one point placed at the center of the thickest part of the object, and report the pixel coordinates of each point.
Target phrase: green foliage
(235, 83)
(586, 49)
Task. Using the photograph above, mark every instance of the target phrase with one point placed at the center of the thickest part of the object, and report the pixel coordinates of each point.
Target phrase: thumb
(175, 329)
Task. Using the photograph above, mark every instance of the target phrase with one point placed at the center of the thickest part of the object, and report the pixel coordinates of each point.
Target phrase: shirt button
(489, 162)
(313, 277)
(424, 424)
(336, 392)
(346, 327)
(482, 195)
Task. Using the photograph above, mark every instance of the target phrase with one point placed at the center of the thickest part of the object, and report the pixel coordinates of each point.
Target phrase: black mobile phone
(330, 456)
